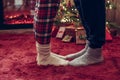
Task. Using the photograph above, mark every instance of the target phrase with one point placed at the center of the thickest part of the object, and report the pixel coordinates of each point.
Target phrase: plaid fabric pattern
(45, 12)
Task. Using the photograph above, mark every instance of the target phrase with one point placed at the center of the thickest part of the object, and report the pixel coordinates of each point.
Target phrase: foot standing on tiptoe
(92, 15)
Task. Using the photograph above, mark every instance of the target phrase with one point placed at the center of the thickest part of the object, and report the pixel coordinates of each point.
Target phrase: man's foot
(91, 56)
(77, 54)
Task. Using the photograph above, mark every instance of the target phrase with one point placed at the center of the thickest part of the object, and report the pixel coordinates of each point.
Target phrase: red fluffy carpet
(18, 53)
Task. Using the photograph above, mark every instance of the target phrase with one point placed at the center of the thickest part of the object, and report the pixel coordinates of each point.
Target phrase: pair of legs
(92, 14)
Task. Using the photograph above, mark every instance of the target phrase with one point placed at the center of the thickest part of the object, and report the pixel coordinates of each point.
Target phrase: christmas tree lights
(69, 14)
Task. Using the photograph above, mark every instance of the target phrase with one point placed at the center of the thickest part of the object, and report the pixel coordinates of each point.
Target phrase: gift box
(60, 32)
(67, 38)
(54, 31)
(80, 35)
(69, 34)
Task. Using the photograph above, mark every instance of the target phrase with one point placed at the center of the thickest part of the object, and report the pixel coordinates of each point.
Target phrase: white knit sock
(57, 55)
(91, 56)
(45, 57)
(77, 54)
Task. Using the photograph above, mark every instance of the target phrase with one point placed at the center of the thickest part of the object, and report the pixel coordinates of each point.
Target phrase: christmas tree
(67, 14)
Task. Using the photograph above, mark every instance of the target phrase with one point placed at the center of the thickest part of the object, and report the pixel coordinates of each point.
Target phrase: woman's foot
(51, 60)
(46, 57)
(57, 55)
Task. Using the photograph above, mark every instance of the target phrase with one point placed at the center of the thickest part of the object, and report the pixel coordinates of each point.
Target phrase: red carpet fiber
(18, 53)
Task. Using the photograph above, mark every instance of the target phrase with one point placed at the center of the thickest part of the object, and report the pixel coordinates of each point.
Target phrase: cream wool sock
(77, 54)
(91, 56)
(45, 57)
(57, 55)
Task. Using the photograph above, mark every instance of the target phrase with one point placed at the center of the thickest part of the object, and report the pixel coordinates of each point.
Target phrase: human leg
(78, 5)
(93, 16)
(45, 11)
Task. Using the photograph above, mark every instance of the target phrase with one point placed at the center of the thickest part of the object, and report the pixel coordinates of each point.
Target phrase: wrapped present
(54, 31)
(67, 38)
(80, 36)
(60, 32)
(70, 31)
(108, 35)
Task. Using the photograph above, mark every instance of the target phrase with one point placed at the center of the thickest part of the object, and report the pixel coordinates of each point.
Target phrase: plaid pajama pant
(45, 12)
